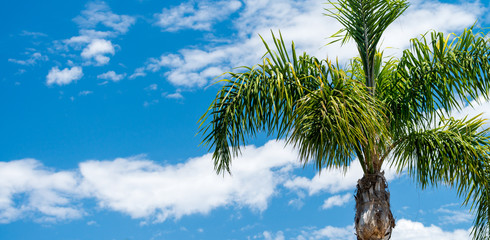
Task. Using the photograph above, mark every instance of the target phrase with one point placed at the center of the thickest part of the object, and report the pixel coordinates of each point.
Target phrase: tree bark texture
(374, 220)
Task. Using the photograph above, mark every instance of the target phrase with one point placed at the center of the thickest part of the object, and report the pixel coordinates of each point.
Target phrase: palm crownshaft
(372, 110)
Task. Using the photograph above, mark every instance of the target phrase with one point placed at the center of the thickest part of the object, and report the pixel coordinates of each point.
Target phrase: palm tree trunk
(374, 220)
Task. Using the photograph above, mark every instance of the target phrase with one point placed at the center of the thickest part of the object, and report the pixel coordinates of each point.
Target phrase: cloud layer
(144, 189)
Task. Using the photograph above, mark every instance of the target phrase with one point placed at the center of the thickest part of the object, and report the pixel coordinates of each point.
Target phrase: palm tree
(374, 109)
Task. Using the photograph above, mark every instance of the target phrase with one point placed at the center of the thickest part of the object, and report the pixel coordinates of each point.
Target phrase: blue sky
(100, 103)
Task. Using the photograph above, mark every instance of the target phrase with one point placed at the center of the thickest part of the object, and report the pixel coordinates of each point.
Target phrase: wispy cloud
(186, 67)
(34, 58)
(63, 77)
(33, 34)
(197, 15)
(139, 72)
(149, 103)
(85, 93)
(337, 201)
(175, 95)
(152, 87)
(87, 36)
(111, 75)
(99, 13)
(453, 216)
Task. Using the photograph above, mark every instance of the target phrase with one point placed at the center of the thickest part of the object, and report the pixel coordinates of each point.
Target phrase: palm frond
(259, 98)
(437, 76)
(480, 196)
(365, 21)
(338, 121)
(456, 153)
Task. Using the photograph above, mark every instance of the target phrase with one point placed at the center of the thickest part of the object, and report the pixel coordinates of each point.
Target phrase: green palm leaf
(274, 95)
(262, 97)
(338, 121)
(455, 153)
(437, 76)
(365, 21)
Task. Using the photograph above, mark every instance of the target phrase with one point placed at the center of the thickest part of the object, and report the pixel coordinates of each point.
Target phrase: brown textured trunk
(374, 220)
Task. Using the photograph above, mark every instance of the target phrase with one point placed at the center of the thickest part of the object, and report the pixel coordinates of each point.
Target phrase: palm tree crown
(373, 109)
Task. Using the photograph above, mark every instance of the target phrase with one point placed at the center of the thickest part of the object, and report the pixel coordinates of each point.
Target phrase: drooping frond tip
(455, 153)
(258, 98)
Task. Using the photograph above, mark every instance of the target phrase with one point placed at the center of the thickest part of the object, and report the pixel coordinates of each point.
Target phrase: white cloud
(304, 22)
(424, 16)
(111, 75)
(63, 77)
(176, 95)
(200, 15)
(145, 189)
(408, 230)
(329, 232)
(333, 180)
(99, 13)
(471, 110)
(44, 192)
(97, 50)
(87, 36)
(404, 230)
(337, 201)
(270, 236)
